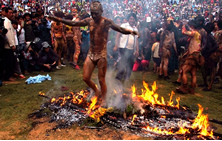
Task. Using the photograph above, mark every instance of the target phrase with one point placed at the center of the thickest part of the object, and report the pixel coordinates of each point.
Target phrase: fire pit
(149, 117)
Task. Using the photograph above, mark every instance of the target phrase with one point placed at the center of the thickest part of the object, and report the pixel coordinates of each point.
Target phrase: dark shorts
(157, 61)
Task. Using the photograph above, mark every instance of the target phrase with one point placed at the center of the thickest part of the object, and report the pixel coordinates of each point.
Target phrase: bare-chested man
(97, 55)
(167, 41)
(58, 38)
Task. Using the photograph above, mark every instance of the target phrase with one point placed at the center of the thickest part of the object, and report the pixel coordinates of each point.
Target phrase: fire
(201, 122)
(75, 98)
(151, 96)
(134, 116)
(92, 105)
(41, 93)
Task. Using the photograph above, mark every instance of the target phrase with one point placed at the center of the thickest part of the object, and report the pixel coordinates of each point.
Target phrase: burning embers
(149, 117)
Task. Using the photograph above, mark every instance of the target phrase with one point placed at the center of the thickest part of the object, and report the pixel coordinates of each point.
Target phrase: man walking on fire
(97, 55)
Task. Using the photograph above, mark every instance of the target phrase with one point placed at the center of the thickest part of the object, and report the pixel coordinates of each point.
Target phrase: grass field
(19, 100)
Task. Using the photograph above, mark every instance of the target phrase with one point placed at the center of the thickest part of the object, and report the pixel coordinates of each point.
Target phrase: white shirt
(128, 41)
(10, 35)
(21, 37)
(16, 38)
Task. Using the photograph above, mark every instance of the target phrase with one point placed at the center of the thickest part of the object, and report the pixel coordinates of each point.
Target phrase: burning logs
(155, 118)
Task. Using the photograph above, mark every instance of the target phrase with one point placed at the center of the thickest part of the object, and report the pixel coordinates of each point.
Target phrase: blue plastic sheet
(38, 79)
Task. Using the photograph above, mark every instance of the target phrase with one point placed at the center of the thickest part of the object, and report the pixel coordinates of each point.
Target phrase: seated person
(30, 58)
(47, 57)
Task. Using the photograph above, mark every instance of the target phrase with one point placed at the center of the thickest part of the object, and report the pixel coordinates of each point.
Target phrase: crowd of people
(179, 36)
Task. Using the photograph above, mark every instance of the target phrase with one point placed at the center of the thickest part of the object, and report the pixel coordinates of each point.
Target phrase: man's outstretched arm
(123, 30)
(69, 22)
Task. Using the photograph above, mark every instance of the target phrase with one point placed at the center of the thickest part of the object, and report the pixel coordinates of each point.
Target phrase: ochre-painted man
(97, 55)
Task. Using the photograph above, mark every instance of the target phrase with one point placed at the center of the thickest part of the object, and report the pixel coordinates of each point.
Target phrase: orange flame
(134, 116)
(41, 93)
(152, 97)
(201, 122)
(92, 105)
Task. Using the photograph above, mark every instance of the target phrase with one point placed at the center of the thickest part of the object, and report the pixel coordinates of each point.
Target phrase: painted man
(77, 41)
(58, 38)
(193, 58)
(97, 55)
(167, 41)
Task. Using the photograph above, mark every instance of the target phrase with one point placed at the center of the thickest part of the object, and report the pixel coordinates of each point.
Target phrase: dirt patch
(42, 132)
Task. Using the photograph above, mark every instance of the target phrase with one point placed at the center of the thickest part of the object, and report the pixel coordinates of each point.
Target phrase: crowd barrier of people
(178, 36)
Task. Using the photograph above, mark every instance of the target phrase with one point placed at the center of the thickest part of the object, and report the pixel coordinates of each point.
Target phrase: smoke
(115, 92)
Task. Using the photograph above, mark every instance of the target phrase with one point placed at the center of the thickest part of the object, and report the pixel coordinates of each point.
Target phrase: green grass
(19, 100)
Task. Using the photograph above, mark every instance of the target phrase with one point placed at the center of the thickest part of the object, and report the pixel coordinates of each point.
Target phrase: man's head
(96, 10)
(3, 12)
(15, 24)
(8, 12)
(46, 46)
(169, 24)
(27, 16)
(132, 19)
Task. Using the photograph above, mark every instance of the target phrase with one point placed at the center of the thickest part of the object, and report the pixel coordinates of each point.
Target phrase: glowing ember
(200, 124)
(41, 93)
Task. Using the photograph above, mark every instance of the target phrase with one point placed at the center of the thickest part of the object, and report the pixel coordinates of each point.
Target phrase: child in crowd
(156, 57)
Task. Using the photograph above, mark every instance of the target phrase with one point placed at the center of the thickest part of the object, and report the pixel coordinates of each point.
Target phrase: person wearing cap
(47, 57)
(30, 58)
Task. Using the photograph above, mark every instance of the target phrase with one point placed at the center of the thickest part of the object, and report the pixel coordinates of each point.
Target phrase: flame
(201, 122)
(151, 97)
(75, 98)
(41, 93)
(92, 105)
(134, 116)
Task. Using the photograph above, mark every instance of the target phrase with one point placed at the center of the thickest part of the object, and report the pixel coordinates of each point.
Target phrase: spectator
(29, 33)
(10, 46)
(128, 48)
(47, 57)
(30, 58)
(156, 57)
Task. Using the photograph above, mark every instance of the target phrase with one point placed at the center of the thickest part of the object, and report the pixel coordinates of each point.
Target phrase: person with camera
(29, 33)
(30, 58)
(47, 57)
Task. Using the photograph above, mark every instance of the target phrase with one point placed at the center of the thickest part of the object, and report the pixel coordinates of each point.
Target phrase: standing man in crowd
(167, 41)
(10, 46)
(97, 55)
(128, 47)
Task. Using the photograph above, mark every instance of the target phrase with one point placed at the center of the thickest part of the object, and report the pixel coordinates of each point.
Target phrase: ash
(68, 116)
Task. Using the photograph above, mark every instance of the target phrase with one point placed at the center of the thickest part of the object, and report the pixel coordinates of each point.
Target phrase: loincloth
(166, 53)
(96, 56)
(59, 44)
(194, 59)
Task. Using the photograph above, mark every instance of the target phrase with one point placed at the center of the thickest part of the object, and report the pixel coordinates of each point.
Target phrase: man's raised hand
(135, 33)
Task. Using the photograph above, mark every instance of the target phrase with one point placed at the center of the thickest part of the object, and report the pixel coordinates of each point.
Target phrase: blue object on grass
(38, 79)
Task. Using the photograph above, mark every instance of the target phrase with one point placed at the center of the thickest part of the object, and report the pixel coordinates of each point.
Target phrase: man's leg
(76, 54)
(88, 68)
(193, 79)
(102, 67)
(184, 88)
